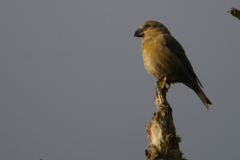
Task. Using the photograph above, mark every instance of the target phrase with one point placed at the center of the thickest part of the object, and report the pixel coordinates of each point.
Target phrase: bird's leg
(167, 86)
(160, 94)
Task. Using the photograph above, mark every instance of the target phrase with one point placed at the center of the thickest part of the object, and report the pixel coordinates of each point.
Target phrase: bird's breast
(159, 60)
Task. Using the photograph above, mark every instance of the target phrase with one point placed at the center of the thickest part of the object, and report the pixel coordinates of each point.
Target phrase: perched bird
(163, 56)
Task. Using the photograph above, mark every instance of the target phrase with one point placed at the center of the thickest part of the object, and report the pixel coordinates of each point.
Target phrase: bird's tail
(203, 97)
(200, 94)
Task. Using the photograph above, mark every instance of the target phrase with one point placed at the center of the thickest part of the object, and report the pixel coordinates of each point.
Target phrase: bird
(164, 56)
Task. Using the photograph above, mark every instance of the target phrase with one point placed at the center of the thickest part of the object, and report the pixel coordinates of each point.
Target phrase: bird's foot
(167, 86)
(164, 85)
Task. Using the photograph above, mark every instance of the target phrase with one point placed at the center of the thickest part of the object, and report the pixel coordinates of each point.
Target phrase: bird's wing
(178, 50)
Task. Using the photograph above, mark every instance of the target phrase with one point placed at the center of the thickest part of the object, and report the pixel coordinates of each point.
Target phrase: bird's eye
(147, 25)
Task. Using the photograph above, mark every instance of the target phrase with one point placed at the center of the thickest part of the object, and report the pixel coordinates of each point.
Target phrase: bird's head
(150, 28)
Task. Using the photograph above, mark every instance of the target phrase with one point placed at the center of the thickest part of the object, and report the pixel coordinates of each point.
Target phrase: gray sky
(73, 84)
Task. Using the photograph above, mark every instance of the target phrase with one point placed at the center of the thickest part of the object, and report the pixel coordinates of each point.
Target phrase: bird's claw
(167, 86)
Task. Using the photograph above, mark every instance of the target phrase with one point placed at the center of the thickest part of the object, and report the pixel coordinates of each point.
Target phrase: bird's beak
(139, 33)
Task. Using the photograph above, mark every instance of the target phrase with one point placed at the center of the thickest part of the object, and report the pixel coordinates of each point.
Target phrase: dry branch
(235, 12)
(164, 144)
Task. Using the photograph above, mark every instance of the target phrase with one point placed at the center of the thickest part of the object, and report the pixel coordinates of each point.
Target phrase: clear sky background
(73, 84)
